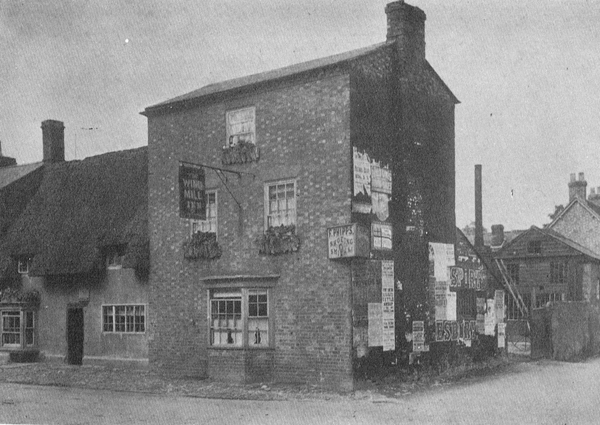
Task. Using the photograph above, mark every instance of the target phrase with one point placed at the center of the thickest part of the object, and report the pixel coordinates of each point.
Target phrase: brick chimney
(406, 25)
(497, 235)
(53, 136)
(6, 161)
(577, 187)
(594, 195)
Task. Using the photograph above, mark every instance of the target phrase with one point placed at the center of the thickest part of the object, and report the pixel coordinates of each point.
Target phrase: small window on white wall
(210, 224)
(240, 126)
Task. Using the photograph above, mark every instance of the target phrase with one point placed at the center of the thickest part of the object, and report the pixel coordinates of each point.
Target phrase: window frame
(114, 322)
(559, 271)
(229, 134)
(114, 256)
(534, 247)
(198, 225)
(245, 291)
(24, 264)
(23, 329)
(267, 205)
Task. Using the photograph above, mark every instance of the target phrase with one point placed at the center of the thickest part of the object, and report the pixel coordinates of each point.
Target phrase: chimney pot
(577, 188)
(53, 139)
(572, 177)
(581, 177)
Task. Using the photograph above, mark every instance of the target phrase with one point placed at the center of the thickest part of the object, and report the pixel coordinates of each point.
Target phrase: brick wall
(302, 131)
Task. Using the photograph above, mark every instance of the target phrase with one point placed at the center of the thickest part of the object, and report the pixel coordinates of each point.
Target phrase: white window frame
(243, 336)
(239, 127)
(23, 330)
(113, 316)
(291, 213)
(211, 224)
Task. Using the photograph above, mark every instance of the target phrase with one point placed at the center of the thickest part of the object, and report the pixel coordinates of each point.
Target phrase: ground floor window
(127, 318)
(239, 317)
(17, 328)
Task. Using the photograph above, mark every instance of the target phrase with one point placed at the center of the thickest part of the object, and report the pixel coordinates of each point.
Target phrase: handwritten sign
(387, 302)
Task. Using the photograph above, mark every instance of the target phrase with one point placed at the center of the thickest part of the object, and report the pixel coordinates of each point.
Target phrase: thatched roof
(82, 207)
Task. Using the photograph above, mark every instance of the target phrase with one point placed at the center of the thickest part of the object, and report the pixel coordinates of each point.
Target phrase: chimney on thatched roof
(53, 136)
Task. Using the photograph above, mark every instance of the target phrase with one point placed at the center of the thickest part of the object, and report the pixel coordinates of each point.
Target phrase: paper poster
(451, 306)
(380, 202)
(418, 335)
(375, 327)
(490, 318)
(362, 173)
(441, 256)
(387, 302)
(381, 178)
(501, 335)
(441, 299)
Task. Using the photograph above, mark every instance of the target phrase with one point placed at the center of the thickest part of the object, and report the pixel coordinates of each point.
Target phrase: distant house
(75, 259)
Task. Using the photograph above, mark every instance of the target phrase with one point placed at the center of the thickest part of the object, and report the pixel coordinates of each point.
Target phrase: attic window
(534, 247)
(24, 264)
(114, 256)
(240, 127)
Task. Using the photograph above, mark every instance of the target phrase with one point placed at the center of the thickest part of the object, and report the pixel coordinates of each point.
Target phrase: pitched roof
(281, 73)
(555, 235)
(14, 172)
(81, 207)
(589, 206)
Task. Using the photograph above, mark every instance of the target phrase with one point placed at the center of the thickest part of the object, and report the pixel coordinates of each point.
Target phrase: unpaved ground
(527, 392)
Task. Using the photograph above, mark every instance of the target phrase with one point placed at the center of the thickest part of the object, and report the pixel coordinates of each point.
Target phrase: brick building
(74, 256)
(256, 290)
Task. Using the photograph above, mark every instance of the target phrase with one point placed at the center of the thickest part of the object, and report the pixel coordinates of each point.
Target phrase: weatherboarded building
(276, 200)
(74, 258)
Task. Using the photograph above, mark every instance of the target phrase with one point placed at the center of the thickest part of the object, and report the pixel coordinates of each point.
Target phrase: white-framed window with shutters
(240, 126)
(280, 203)
(240, 318)
(210, 224)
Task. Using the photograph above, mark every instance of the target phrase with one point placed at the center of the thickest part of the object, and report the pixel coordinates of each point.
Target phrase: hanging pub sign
(348, 241)
(192, 201)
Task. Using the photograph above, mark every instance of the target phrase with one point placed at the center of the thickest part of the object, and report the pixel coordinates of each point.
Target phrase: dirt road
(533, 393)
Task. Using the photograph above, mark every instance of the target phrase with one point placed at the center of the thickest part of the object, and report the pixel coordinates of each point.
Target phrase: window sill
(224, 348)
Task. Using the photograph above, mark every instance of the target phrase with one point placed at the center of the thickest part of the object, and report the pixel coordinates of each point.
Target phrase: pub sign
(192, 200)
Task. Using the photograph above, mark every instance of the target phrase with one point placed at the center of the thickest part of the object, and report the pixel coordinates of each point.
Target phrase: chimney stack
(497, 235)
(6, 161)
(577, 187)
(478, 208)
(53, 136)
(406, 26)
(594, 195)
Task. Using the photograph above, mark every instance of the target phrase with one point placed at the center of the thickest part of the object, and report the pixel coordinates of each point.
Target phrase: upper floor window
(240, 126)
(558, 272)
(114, 256)
(23, 264)
(210, 224)
(534, 247)
(280, 204)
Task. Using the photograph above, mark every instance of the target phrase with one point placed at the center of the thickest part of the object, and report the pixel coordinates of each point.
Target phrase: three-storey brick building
(249, 292)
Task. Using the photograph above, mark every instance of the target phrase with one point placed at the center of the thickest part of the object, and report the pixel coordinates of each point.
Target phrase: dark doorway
(75, 336)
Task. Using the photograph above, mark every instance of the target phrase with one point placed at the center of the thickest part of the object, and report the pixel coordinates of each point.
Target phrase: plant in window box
(13, 295)
(240, 153)
(202, 245)
(279, 240)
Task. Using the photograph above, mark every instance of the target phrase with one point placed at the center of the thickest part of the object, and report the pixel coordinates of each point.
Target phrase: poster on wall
(418, 336)
(441, 258)
(387, 303)
(381, 178)
(348, 241)
(192, 200)
(380, 204)
(381, 236)
(499, 305)
(490, 318)
(501, 335)
(361, 202)
(375, 327)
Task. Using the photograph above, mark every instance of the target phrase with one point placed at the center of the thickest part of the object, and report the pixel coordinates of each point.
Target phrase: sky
(527, 75)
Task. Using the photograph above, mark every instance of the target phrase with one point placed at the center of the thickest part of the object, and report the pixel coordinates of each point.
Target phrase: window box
(16, 296)
(240, 153)
(278, 240)
(202, 245)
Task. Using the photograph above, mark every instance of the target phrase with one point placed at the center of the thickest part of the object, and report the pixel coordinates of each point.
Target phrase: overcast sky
(527, 75)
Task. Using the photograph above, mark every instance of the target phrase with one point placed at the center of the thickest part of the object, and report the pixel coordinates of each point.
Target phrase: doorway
(75, 335)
